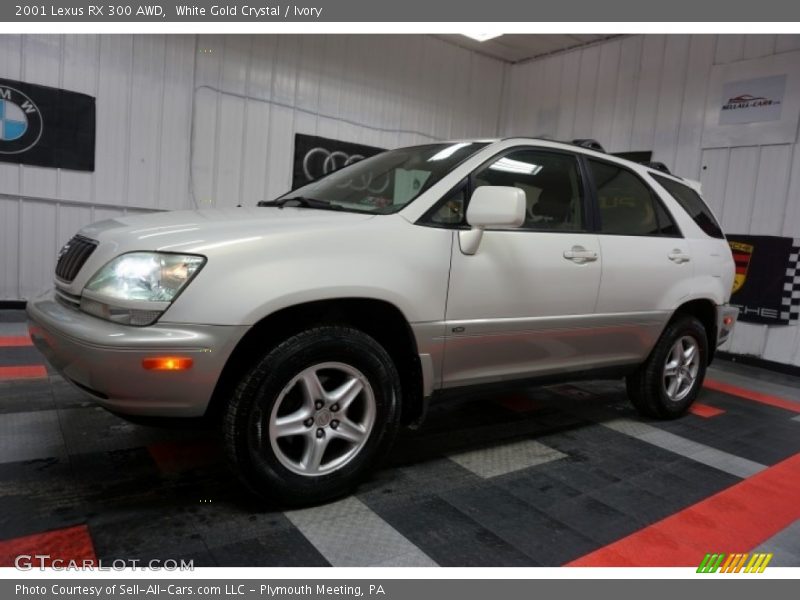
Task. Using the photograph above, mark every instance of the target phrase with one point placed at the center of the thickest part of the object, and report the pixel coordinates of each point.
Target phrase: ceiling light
(482, 37)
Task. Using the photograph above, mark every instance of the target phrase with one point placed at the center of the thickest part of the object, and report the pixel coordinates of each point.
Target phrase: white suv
(314, 325)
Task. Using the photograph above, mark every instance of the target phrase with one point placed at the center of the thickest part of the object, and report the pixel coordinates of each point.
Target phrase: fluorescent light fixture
(516, 166)
(482, 37)
(449, 151)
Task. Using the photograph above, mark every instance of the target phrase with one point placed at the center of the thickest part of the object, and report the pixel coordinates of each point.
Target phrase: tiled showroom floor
(541, 476)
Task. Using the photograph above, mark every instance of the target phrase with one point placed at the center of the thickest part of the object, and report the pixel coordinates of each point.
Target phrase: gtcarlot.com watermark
(29, 562)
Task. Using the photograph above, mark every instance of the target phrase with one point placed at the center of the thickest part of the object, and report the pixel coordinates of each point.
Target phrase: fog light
(167, 363)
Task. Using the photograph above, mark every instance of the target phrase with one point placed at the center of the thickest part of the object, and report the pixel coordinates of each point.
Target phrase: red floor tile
(518, 403)
(70, 544)
(14, 341)
(23, 372)
(733, 390)
(704, 410)
(736, 519)
(172, 457)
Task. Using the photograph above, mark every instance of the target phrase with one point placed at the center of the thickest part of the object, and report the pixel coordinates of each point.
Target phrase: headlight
(137, 288)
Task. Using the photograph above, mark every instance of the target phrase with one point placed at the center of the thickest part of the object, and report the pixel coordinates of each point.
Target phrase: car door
(523, 304)
(647, 266)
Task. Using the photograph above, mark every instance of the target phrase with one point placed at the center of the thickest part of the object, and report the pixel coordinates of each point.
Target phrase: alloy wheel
(321, 420)
(681, 368)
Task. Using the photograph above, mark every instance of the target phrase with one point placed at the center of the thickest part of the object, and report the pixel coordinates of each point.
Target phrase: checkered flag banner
(766, 285)
(790, 310)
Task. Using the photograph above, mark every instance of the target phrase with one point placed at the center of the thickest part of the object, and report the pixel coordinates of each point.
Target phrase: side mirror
(491, 206)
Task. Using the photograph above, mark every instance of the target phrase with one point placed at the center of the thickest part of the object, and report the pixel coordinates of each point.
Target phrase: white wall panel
(587, 87)
(698, 69)
(570, 72)
(9, 246)
(670, 98)
(185, 120)
(786, 43)
(377, 90)
(649, 93)
(81, 58)
(772, 184)
(144, 124)
(176, 122)
(603, 107)
(730, 48)
(756, 46)
(38, 237)
(740, 189)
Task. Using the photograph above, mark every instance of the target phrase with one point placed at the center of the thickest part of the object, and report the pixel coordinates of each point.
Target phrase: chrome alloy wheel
(321, 420)
(681, 368)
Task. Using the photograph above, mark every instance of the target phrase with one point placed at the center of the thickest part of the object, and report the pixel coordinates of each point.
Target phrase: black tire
(257, 465)
(646, 387)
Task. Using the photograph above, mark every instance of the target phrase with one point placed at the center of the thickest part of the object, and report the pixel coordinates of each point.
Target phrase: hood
(202, 231)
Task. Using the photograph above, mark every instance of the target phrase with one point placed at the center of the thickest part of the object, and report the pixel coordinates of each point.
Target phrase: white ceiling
(517, 47)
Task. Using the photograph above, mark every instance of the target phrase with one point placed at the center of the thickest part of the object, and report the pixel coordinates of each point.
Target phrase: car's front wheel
(313, 415)
(668, 382)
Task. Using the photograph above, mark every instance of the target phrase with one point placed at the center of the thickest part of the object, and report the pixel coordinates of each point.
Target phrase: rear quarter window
(693, 204)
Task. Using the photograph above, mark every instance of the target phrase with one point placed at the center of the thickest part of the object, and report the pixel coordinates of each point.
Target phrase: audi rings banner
(46, 126)
(316, 156)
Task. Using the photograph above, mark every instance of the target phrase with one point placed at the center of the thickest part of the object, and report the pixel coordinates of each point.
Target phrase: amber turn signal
(167, 363)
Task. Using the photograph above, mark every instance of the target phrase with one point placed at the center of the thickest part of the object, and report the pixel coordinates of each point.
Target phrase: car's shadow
(132, 478)
(455, 423)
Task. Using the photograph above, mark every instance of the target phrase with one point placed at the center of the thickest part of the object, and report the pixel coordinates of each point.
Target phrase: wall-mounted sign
(753, 102)
(766, 286)
(316, 156)
(46, 126)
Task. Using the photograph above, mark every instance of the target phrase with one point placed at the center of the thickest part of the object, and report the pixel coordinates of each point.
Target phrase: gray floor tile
(729, 463)
(786, 542)
(30, 435)
(506, 458)
(349, 534)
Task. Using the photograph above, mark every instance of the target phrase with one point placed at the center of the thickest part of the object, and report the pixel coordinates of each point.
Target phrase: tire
(266, 430)
(651, 388)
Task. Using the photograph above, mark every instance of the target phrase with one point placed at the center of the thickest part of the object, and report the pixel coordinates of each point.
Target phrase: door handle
(679, 257)
(580, 255)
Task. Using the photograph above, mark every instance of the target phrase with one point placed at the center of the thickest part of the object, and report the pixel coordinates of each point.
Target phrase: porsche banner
(46, 126)
(316, 156)
(766, 287)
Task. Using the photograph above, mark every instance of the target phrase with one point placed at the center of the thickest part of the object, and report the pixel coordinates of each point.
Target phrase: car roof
(580, 146)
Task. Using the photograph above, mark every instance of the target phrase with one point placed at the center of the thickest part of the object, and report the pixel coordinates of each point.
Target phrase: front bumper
(726, 319)
(104, 359)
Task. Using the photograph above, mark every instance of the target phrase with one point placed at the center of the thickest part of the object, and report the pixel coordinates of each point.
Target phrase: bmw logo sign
(20, 122)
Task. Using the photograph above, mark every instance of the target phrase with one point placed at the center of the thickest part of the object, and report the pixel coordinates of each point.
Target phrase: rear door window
(627, 205)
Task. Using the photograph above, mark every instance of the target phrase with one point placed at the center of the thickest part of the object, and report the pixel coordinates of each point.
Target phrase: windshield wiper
(301, 201)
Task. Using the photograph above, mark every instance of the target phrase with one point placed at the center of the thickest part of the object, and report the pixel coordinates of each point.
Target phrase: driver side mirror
(491, 206)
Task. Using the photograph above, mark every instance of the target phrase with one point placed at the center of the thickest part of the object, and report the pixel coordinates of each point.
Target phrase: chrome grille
(73, 256)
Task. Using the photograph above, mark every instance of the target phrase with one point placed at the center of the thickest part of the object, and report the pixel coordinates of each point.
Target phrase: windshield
(386, 182)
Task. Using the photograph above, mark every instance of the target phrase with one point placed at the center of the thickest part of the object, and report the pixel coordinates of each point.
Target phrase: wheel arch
(705, 311)
(379, 319)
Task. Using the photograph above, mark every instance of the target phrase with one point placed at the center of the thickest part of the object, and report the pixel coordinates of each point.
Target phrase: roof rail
(658, 166)
(590, 144)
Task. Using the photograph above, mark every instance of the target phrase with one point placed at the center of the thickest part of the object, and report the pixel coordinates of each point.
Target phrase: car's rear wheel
(668, 382)
(313, 416)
